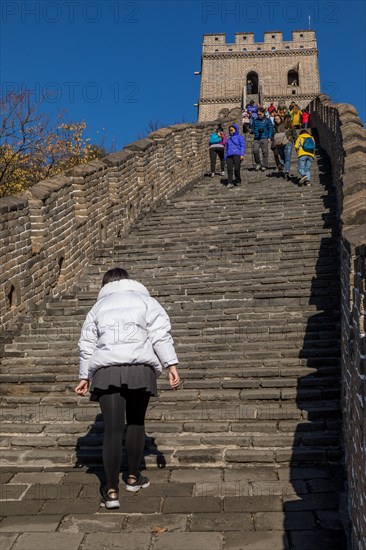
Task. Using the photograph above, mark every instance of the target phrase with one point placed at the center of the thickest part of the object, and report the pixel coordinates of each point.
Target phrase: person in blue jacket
(262, 128)
(234, 154)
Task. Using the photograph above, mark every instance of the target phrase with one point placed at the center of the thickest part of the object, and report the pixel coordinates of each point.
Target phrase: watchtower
(272, 70)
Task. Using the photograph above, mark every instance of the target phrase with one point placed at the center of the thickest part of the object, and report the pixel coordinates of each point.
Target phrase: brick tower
(272, 70)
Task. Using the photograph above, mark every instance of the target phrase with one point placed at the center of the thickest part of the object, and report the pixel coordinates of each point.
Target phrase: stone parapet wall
(342, 135)
(49, 233)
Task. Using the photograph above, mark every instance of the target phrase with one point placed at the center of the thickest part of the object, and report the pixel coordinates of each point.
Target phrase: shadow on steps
(314, 518)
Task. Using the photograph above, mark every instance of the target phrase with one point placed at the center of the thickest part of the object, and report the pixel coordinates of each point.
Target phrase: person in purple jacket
(234, 154)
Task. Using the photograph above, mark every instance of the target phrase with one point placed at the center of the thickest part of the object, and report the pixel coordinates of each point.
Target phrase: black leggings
(115, 403)
(219, 151)
(233, 163)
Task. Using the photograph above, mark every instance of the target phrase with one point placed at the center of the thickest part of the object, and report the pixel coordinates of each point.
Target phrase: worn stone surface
(48, 541)
(263, 540)
(180, 541)
(251, 281)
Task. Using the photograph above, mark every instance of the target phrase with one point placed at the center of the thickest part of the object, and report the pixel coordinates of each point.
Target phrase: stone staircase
(249, 277)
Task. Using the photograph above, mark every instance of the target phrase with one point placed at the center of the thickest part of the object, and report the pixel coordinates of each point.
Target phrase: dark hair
(220, 128)
(115, 274)
(260, 110)
(288, 122)
(303, 132)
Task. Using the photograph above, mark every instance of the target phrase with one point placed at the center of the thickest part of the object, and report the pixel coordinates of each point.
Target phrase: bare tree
(34, 147)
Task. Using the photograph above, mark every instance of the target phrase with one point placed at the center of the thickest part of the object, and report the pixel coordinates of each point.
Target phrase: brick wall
(49, 233)
(224, 70)
(342, 135)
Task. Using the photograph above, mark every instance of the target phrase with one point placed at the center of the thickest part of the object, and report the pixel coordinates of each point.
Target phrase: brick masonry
(342, 135)
(225, 68)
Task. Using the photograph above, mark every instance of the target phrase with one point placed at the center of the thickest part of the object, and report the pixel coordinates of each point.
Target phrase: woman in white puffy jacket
(125, 343)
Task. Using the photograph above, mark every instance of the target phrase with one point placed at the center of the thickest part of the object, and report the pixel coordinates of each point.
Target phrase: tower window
(273, 48)
(230, 49)
(244, 37)
(244, 49)
(302, 47)
(293, 78)
(216, 50)
(216, 38)
(259, 49)
(301, 36)
(287, 47)
(273, 36)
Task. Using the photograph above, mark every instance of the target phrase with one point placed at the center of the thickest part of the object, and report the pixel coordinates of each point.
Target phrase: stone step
(298, 366)
(258, 377)
(50, 421)
(212, 457)
(216, 390)
(213, 322)
(253, 297)
(232, 439)
(216, 406)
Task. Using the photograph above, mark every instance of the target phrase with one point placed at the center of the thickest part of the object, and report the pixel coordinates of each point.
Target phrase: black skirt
(134, 377)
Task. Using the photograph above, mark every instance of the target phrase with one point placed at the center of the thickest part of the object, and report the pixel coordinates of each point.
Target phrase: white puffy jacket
(125, 325)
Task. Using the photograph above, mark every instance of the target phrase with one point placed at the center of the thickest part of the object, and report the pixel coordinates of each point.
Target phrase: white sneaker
(223, 173)
(212, 174)
(108, 501)
(258, 167)
(140, 483)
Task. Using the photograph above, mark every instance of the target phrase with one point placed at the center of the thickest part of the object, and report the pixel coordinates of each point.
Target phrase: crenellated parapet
(273, 41)
(275, 69)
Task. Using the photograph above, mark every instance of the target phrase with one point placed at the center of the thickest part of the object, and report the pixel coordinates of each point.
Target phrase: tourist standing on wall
(262, 128)
(217, 149)
(245, 119)
(305, 119)
(234, 154)
(124, 345)
(252, 109)
(272, 116)
(295, 114)
(284, 137)
(305, 147)
(282, 111)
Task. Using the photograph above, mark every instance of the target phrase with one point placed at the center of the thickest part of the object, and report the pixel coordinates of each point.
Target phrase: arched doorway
(293, 78)
(252, 83)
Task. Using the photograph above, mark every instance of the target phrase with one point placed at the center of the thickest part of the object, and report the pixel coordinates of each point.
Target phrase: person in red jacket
(305, 119)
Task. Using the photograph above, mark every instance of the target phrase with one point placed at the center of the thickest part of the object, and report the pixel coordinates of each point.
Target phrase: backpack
(280, 139)
(309, 145)
(214, 138)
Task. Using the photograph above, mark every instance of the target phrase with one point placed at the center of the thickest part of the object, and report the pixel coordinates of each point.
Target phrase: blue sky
(120, 64)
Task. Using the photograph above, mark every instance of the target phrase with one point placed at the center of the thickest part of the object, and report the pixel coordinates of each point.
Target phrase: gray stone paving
(248, 454)
(178, 508)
